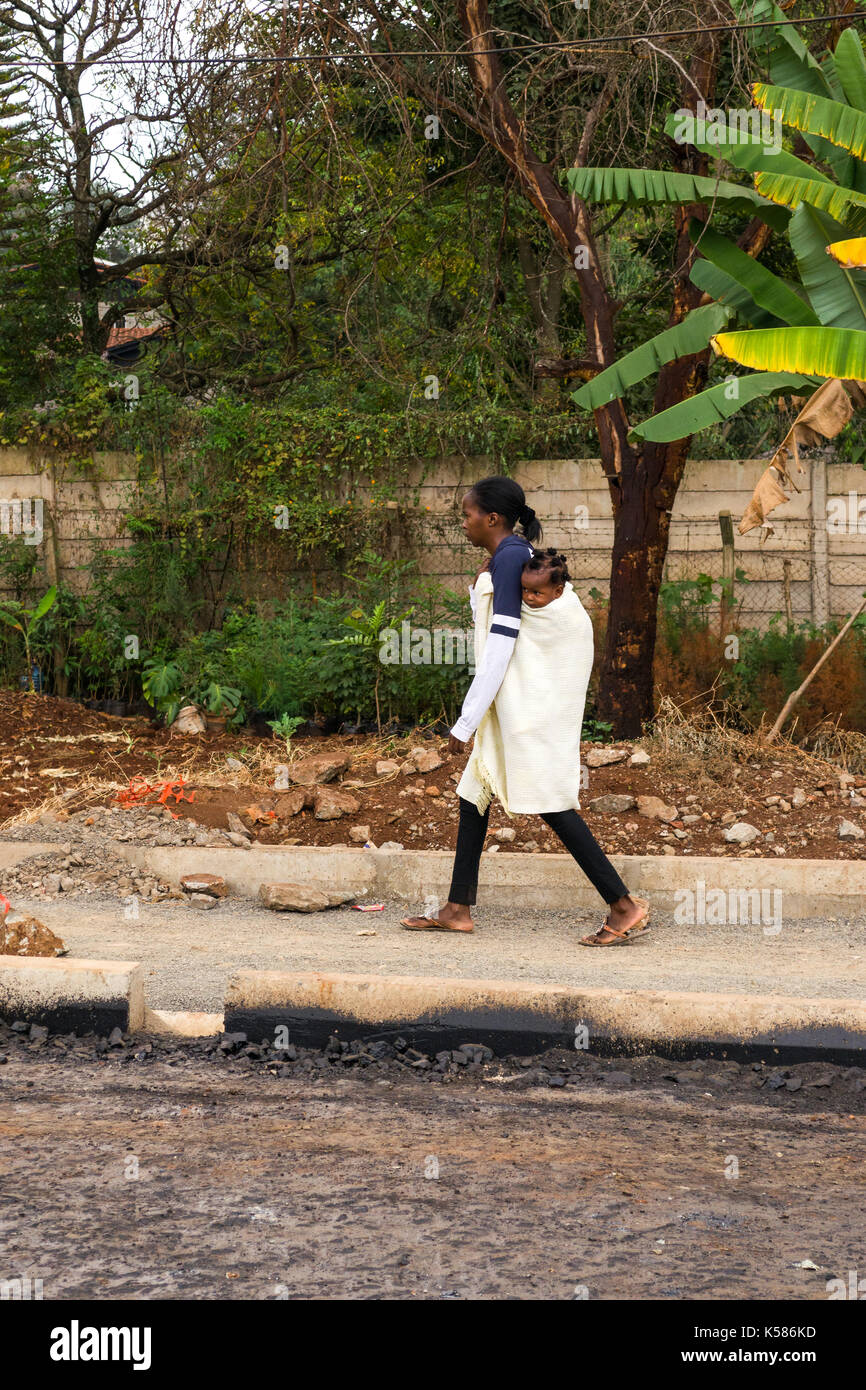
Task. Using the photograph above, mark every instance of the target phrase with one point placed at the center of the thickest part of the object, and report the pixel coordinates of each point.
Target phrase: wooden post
(820, 563)
(795, 695)
(789, 610)
(726, 526)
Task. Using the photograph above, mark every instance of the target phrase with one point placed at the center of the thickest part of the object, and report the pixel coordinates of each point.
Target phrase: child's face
(538, 590)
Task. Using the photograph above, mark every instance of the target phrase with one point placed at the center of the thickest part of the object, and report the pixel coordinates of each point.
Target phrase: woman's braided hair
(552, 562)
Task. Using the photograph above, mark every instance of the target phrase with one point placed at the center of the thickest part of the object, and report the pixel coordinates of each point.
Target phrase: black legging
(572, 830)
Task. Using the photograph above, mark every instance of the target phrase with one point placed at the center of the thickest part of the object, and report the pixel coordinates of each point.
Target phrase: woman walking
(526, 704)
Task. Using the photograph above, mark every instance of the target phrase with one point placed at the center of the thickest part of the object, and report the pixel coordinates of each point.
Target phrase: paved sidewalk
(188, 955)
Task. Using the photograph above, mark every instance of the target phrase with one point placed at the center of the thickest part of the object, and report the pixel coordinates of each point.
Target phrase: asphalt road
(175, 1176)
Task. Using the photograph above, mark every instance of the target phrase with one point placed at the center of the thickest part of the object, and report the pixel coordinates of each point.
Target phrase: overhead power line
(385, 55)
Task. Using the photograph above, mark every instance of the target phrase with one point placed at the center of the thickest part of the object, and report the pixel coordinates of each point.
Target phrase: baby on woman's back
(544, 578)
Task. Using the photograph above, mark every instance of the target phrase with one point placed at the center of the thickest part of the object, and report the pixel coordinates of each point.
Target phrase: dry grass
(695, 741)
(841, 747)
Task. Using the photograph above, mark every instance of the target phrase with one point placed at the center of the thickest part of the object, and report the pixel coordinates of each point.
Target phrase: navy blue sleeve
(508, 589)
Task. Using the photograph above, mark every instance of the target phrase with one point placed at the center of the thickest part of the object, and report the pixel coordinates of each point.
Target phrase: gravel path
(188, 954)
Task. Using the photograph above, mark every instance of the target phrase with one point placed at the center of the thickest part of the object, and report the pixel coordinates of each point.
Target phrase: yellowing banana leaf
(843, 204)
(842, 125)
(790, 65)
(850, 254)
(826, 352)
(640, 186)
(691, 335)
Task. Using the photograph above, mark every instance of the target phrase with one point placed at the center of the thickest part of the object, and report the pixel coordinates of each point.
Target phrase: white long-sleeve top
(506, 568)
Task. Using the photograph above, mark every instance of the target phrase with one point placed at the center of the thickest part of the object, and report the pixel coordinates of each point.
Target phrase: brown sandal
(621, 938)
(431, 924)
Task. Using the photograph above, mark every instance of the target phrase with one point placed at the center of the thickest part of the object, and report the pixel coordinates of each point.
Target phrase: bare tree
(117, 91)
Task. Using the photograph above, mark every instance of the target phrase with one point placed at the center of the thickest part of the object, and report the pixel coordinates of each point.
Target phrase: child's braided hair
(553, 562)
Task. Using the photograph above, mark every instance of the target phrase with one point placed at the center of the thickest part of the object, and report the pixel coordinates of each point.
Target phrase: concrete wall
(822, 572)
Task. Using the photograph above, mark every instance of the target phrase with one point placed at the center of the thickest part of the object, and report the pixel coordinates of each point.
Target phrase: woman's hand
(455, 745)
(485, 566)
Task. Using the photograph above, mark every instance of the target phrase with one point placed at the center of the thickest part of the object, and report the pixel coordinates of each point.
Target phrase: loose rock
(296, 897)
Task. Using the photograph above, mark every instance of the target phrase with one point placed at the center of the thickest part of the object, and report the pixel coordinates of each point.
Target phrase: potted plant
(219, 704)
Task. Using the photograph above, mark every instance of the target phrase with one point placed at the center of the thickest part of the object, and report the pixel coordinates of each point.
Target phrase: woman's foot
(450, 917)
(627, 918)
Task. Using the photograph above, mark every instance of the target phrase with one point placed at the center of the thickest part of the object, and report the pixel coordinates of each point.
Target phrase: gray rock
(849, 831)
(612, 803)
(241, 841)
(203, 901)
(741, 833)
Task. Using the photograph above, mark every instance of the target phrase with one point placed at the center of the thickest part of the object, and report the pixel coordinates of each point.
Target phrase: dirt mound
(27, 936)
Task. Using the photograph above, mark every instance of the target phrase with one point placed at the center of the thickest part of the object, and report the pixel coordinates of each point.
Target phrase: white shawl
(527, 746)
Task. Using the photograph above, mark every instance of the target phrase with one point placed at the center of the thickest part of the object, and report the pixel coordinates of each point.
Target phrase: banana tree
(795, 332)
(795, 335)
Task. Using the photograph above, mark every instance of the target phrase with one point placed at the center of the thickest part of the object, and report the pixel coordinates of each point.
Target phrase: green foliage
(26, 621)
(684, 605)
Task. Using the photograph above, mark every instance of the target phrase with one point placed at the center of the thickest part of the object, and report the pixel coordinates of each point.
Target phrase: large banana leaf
(787, 55)
(838, 296)
(692, 335)
(747, 151)
(851, 68)
(640, 186)
(724, 288)
(718, 403)
(824, 352)
(850, 254)
(790, 64)
(844, 204)
(765, 288)
(842, 125)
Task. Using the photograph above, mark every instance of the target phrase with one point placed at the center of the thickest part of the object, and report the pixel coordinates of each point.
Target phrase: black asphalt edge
(517, 1032)
(71, 1015)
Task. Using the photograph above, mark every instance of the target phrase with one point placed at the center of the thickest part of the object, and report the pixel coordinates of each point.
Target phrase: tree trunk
(544, 292)
(643, 496)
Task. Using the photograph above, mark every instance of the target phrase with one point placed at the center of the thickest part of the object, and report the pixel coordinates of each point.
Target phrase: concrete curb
(72, 996)
(520, 1018)
(808, 887)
